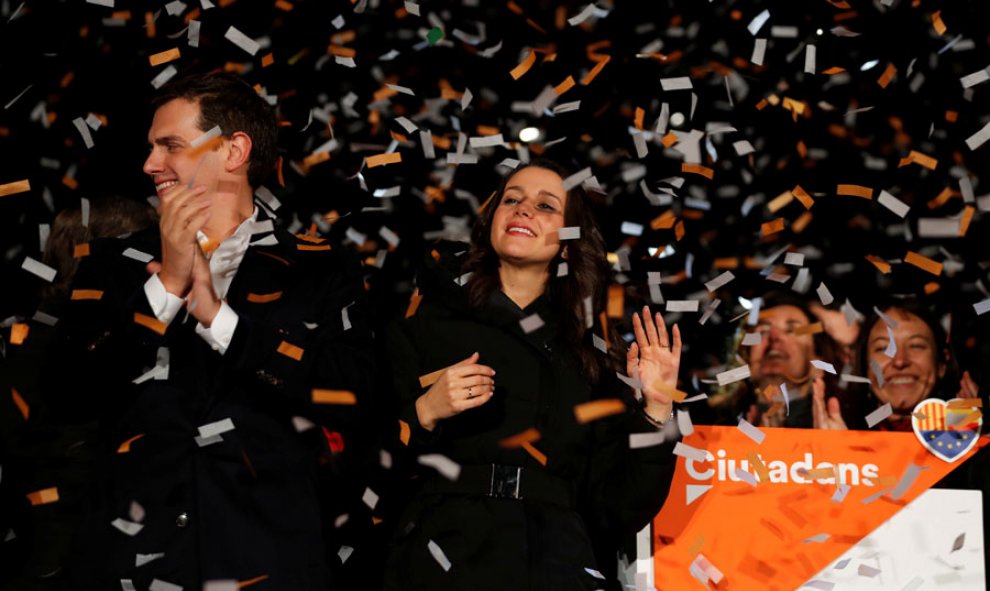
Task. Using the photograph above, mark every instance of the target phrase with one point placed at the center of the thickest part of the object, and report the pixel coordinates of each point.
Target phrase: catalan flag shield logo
(947, 429)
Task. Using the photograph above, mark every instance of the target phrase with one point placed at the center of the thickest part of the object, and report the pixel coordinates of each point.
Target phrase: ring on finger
(470, 394)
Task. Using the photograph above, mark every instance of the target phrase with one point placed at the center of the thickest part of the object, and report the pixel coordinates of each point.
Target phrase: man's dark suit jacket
(245, 507)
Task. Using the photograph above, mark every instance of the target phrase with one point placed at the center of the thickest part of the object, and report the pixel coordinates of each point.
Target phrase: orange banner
(742, 515)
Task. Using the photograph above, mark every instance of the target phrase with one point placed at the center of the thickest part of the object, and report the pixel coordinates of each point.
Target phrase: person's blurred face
(173, 160)
(782, 355)
(910, 375)
(527, 219)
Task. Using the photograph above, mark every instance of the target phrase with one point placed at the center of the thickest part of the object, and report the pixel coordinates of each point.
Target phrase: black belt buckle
(505, 482)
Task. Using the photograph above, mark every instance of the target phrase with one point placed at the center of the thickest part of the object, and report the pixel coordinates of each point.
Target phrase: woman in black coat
(514, 411)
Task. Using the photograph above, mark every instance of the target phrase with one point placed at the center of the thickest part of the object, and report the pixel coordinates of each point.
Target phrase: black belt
(506, 482)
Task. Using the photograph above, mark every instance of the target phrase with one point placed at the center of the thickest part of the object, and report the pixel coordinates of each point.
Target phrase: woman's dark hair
(226, 100)
(108, 217)
(587, 271)
(942, 357)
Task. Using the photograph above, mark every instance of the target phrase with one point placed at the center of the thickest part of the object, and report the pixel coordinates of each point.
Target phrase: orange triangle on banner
(753, 530)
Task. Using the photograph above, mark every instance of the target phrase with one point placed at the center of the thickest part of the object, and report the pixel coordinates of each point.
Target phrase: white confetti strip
(38, 268)
(631, 229)
(128, 527)
(982, 307)
(840, 493)
(531, 323)
(975, 78)
(898, 207)
(720, 281)
(679, 83)
(823, 365)
(438, 555)
(577, 178)
(746, 477)
(819, 584)
(137, 255)
(682, 306)
(466, 99)
(370, 498)
(691, 453)
(866, 570)
(143, 559)
(209, 135)
(447, 468)
(757, 23)
(83, 129)
(751, 431)
(875, 417)
(907, 479)
(824, 295)
(582, 16)
(979, 138)
(160, 585)
(733, 375)
(569, 233)
(684, 424)
(243, 41)
(192, 34)
(204, 441)
(406, 124)
(694, 491)
(487, 141)
(640, 440)
(817, 539)
(809, 59)
(216, 428)
(752, 338)
(221, 585)
(164, 76)
(759, 51)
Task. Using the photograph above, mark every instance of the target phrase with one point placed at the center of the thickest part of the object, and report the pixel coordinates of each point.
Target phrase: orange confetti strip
(967, 217)
(291, 351)
(149, 24)
(942, 198)
(528, 436)
(429, 379)
(164, 57)
(879, 263)
(597, 409)
(615, 308)
(343, 397)
(267, 60)
(524, 66)
(537, 455)
(802, 222)
(704, 171)
(150, 323)
(564, 86)
(809, 329)
(283, 5)
(308, 238)
(19, 332)
(669, 140)
(965, 403)
(664, 221)
(675, 394)
(15, 187)
(275, 257)
(20, 403)
(922, 262)
(312, 247)
(757, 464)
(314, 159)
(937, 22)
(931, 287)
(383, 159)
(404, 432)
(80, 250)
(638, 119)
(591, 75)
(414, 301)
(780, 201)
(772, 227)
(43, 496)
(855, 191)
(818, 473)
(249, 582)
(125, 447)
(263, 298)
(86, 294)
(952, 116)
(887, 76)
(833, 71)
(726, 263)
(919, 158)
(679, 230)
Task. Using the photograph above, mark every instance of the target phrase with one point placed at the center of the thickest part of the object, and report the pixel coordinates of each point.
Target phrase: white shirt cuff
(165, 305)
(221, 330)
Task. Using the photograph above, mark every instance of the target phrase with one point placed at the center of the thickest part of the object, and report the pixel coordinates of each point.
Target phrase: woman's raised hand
(464, 385)
(657, 357)
(826, 414)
